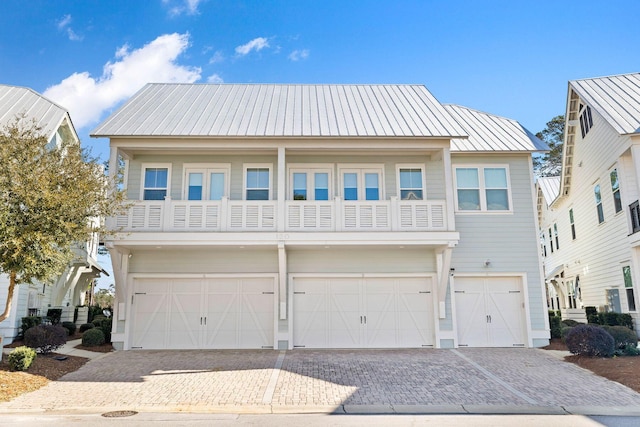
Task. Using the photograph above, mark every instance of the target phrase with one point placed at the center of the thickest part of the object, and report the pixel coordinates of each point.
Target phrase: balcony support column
(281, 193)
(443, 261)
(282, 280)
(449, 190)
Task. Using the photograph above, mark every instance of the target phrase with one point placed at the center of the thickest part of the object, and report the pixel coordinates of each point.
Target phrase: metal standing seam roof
(15, 101)
(489, 133)
(550, 187)
(274, 110)
(616, 98)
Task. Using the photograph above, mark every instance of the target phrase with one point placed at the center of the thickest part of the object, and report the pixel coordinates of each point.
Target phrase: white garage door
(490, 312)
(203, 313)
(362, 312)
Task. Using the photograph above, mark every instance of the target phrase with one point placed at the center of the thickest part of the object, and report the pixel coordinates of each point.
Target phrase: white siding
(10, 327)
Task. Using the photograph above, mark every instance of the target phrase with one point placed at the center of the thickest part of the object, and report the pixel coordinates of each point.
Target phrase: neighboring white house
(68, 291)
(322, 216)
(589, 217)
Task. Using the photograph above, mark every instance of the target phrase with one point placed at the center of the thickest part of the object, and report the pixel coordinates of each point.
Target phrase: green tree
(50, 197)
(553, 135)
(104, 297)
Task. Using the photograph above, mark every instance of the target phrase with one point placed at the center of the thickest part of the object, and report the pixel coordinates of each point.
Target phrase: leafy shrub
(564, 330)
(29, 322)
(630, 350)
(45, 338)
(97, 320)
(21, 358)
(93, 337)
(590, 340)
(54, 314)
(613, 319)
(105, 327)
(590, 310)
(625, 319)
(622, 336)
(69, 326)
(94, 310)
(554, 323)
(86, 326)
(571, 322)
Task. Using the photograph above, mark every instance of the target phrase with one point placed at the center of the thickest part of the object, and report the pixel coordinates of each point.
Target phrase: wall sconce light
(487, 263)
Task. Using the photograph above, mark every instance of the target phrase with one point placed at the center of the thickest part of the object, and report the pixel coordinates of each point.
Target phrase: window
(257, 183)
(596, 191)
(615, 189)
(628, 286)
(573, 225)
(555, 234)
(551, 240)
(571, 294)
(411, 183)
(310, 184)
(543, 244)
(361, 184)
(206, 183)
(586, 121)
(155, 183)
(482, 189)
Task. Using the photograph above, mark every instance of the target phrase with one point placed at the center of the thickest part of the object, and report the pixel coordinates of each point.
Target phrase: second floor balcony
(299, 216)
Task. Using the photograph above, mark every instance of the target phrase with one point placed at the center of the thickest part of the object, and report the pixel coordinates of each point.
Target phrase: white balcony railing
(307, 216)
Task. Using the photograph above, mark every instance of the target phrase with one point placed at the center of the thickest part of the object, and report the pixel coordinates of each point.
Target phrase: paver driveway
(462, 380)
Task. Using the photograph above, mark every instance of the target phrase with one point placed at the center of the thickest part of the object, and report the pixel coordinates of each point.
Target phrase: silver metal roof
(16, 101)
(616, 98)
(550, 187)
(273, 110)
(491, 133)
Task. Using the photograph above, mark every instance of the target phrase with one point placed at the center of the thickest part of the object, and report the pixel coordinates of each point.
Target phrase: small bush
(590, 310)
(630, 350)
(592, 319)
(29, 322)
(45, 338)
(94, 310)
(93, 337)
(97, 320)
(625, 319)
(21, 358)
(622, 336)
(571, 322)
(54, 314)
(590, 340)
(564, 330)
(554, 323)
(86, 326)
(69, 326)
(105, 327)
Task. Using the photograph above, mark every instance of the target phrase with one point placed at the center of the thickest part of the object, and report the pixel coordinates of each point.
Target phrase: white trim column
(282, 280)
(449, 190)
(281, 193)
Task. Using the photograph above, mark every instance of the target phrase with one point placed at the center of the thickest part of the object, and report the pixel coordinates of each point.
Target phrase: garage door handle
(365, 320)
(201, 320)
(361, 319)
(205, 321)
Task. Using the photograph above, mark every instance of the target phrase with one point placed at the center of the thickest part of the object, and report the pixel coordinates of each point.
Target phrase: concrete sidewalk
(460, 381)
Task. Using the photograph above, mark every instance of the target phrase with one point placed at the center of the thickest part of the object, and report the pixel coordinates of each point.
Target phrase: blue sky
(507, 57)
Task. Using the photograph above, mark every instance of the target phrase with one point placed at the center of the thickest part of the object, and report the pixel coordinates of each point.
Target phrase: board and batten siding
(600, 250)
(508, 240)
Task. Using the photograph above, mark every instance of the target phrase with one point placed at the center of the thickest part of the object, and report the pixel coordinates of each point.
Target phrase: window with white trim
(573, 224)
(598, 197)
(615, 189)
(155, 180)
(411, 184)
(551, 240)
(543, 244)
(206, 182)
(586, 121)
(310, 183)
(628, 287)
(483, 189)
(555, 235)
(361, 183)
(257, 182)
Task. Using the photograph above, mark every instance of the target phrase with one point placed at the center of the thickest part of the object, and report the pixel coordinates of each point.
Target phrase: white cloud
(87, 98)
(215, 78)
(256, 44)
(216, 58)
(178, 7)
(298, 55)
(73, 36)
(62, 23)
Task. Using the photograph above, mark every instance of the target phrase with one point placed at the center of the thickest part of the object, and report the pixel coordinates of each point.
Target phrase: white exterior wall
(10, 327)
(600, 250)
(508, 240)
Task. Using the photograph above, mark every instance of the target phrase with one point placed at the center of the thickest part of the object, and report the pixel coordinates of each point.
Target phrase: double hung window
(598, 196)
(257, 182)
(156, 179)
(411, 183)
(573, 224)
(482, 189)
(628, 287)
(615, 189)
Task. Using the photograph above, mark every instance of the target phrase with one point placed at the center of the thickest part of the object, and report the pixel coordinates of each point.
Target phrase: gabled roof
(492, 133)
(616, 98)
(550, 188)
(15, 101)
(277, 110)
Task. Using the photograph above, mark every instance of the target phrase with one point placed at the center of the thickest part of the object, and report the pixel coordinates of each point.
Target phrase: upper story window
(628, 286)
(155, 180)
(310, 183)
(543, 244)
(206, 183)
(555, 235)
(573, 224)
(411, 183)
(361, 183)
(257, 182)
(598, 196)
(482, 189)
(586, 122)
(551, 240)
(615, 189)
